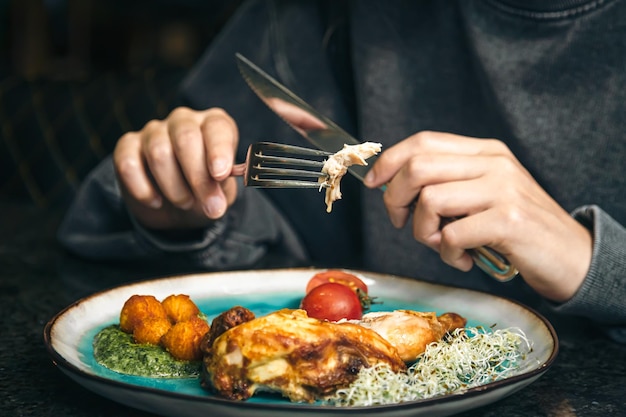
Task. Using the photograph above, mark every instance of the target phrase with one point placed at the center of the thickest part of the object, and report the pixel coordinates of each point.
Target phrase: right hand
(497, 204)
(175, 173)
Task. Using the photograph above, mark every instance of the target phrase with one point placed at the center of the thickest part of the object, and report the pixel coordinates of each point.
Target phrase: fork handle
(238, 170)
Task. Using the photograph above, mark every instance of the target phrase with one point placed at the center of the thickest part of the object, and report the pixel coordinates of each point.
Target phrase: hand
(497, 203)
(174, 173)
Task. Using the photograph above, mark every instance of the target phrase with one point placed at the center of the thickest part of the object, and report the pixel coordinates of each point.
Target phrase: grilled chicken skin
(411, 331)
(288, 352)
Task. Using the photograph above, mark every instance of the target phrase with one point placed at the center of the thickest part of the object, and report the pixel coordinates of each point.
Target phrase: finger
(424, 170)
(449, 200)
(131, 171)
(189, 148)
(221, 137)
(425, 143)
(452, 252)
(159, 154)
(496, 228)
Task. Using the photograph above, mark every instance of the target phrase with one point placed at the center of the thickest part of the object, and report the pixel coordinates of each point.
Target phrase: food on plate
(179, 307)
(151, 330)
(337, 276)
(332, 302)
(173, 323)
(286, 351)
(411, 331)
(307, 354)
(116, 350)
(336, 166)
(466, 358)
(226, 320)
(182, 341)
(328, 350)
(139, 308)
(154, 338)
(327, 298)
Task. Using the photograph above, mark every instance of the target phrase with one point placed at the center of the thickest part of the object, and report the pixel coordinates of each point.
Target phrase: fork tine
(289, 149)
(270, 165)
(267, 183)
(286, 161)
(284, 172)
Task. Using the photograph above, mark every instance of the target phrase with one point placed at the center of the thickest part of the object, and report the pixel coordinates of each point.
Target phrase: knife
(322, 132)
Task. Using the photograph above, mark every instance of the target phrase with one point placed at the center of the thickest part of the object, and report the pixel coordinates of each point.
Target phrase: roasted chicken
(288, 352)
(411, 331)
(336, 166)
(306, 359)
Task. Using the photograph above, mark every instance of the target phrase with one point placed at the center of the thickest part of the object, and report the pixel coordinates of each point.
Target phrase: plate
(69, 334)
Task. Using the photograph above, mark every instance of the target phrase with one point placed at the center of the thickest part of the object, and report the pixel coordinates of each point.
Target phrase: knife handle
(493, 263)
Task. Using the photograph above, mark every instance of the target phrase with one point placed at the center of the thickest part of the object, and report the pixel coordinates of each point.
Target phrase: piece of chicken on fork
(288, 352)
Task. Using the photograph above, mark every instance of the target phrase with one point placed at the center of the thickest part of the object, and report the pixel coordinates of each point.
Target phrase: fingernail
(215, 207)
(218, 167)
(370, 177)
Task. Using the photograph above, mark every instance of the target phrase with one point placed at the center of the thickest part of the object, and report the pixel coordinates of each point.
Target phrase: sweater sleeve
(602, 296)
(98, 226)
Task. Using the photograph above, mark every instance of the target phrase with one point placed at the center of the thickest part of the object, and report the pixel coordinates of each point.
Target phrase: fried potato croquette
(180, 307)
(172, 323)
(151, 330)
(139, 308)
(183, 340)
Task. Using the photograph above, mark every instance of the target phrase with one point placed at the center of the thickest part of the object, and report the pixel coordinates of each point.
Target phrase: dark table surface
(37, 280)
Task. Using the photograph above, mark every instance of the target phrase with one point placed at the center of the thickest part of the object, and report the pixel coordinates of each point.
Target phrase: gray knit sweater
(547, 78)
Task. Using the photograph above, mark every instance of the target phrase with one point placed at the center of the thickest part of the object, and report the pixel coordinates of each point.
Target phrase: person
(506, 115)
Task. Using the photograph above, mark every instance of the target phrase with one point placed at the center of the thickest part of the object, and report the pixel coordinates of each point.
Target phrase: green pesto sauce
(117, 351)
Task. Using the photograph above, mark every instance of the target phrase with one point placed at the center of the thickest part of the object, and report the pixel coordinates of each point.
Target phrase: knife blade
(310, 123)
(328, 136)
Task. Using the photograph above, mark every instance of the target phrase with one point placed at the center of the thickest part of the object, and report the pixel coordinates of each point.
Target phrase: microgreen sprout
(465, 358)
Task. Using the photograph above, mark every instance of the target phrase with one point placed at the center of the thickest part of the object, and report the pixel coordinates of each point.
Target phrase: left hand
(497, 203)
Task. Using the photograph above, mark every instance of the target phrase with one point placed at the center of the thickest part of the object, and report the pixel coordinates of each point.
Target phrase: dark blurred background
(76, 74)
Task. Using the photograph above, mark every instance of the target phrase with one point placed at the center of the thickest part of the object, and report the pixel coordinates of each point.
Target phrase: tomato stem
(366, 300)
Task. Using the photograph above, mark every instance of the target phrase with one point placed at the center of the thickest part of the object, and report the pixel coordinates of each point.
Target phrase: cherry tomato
(339, 277)
(332, 301)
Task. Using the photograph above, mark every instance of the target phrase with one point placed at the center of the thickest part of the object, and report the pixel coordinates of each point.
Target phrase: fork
(274, 165)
